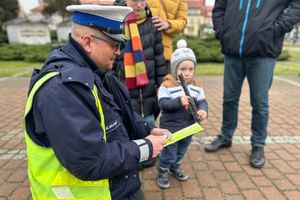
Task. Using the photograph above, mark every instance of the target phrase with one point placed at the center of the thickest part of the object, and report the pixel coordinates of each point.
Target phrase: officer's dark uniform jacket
(65, 117)
(254, 28)
(144, 100)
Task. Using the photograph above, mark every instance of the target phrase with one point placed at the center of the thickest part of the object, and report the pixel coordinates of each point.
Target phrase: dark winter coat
(144, 100)
(254, 28)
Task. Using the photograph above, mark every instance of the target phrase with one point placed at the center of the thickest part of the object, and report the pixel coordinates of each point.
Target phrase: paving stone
(224, 175)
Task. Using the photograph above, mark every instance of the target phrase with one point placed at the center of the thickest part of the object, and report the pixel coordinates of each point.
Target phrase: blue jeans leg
(168, 156)
(150, 119)
(182, 147)
(234, 75)
(260, 75)
(174, 153)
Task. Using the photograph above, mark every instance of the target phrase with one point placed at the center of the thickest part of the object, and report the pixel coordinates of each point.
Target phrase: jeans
(150, 119)
(174, 153)
(259, 73)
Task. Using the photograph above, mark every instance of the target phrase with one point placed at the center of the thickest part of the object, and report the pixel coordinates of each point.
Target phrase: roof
(40, 8)
(30, 19)
(196, 4)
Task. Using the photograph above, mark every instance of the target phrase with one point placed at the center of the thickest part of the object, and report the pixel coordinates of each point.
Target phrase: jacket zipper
(244, 28)
(141, 99)
(258, 3)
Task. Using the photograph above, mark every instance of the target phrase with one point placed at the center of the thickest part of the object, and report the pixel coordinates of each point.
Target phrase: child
(175, 113)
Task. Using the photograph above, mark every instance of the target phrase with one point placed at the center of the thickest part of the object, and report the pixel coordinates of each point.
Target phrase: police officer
(83, 139)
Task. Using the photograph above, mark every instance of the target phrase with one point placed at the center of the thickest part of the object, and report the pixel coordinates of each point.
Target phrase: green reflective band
(183, 133)
(35, 88)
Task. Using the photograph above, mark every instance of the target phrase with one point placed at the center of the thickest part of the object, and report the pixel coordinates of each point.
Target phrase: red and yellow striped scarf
(134, 61)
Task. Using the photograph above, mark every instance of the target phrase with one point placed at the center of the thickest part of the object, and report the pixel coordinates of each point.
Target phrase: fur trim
(169, 81)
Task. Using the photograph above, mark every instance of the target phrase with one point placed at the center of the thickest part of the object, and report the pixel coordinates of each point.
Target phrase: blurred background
(30, 29)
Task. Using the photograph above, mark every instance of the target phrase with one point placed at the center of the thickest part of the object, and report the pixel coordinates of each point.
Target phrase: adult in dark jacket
(144, 96)
(251, 34)
(89, 143)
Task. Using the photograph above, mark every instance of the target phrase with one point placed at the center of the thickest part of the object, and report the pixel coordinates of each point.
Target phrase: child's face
(136, 5)
(187, 68)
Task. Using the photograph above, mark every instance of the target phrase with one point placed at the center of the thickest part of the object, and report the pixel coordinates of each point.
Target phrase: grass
(209, 69)
(11, 68)
(282, 68)
(292, 45)
(295, 55)
(20, 68)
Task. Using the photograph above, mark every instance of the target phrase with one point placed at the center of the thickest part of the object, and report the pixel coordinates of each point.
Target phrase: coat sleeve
(218, 15)
(71, 122)
(165, 102)
(201, 101)
(288, 18)
(142, 128)
(160, 65)
(178, 24)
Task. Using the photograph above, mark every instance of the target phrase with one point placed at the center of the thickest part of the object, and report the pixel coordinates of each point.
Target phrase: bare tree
(58, 6)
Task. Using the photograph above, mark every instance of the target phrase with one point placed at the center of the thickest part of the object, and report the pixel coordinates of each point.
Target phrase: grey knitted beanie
(182, 53)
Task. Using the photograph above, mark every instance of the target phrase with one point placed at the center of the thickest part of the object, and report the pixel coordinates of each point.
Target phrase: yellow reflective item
(49, 180)
(183, 133)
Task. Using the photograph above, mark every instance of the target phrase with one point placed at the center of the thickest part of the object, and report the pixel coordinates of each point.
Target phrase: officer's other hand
(158, 143)
(161, 132)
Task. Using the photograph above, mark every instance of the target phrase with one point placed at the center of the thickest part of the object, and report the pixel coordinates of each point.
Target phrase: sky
(28, 4)
(210, 2)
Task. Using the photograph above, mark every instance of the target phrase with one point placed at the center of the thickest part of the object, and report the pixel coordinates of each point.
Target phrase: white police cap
(108, 19)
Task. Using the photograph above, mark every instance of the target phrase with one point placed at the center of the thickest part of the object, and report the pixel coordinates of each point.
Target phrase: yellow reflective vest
(49, 180)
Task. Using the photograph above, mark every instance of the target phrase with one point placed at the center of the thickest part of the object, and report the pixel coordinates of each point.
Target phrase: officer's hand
(161, 132)
(158, 143)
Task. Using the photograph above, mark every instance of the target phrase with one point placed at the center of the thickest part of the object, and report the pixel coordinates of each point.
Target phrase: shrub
(3, 37)
(209, 49)
(206, 50)
(31, 53)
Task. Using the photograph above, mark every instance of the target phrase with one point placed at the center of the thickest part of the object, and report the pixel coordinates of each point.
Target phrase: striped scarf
(134, 61)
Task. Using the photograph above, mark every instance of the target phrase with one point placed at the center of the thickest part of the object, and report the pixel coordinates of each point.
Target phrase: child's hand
(185, 101)
(203, 115)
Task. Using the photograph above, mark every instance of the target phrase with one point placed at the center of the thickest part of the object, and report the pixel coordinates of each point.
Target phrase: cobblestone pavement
(213, 176)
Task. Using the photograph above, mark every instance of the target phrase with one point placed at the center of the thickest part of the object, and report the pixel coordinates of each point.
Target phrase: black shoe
(218, 143)
(139, 195)
(163, 177)
(146, 164)
(149, 163)
(257, 158)
(178, 173)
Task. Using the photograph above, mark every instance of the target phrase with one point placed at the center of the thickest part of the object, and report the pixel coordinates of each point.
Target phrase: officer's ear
(86, 43)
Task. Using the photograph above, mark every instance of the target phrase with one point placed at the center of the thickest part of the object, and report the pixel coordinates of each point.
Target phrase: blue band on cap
(96, 21)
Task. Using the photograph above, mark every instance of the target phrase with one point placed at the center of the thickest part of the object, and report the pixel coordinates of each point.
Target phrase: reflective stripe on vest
(49, 180)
